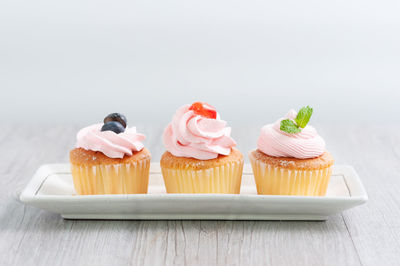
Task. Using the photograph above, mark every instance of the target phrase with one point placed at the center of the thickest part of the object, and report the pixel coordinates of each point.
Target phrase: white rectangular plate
(52, 189)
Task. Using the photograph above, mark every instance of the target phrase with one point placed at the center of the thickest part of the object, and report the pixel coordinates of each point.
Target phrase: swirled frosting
(108, 142)
(303, 145)
(192, 135)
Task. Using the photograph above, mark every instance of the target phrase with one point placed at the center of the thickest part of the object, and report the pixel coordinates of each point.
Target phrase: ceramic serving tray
(51, 189)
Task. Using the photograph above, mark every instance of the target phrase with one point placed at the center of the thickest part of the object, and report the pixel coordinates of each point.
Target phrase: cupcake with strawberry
(200, 156)
(110, 158)
(291, 158)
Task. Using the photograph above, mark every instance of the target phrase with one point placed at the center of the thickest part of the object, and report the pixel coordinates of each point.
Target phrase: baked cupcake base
(95, 173)
(189, 175)
(291, 176)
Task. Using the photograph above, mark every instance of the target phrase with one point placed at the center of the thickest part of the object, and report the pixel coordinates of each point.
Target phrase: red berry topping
(204, 109)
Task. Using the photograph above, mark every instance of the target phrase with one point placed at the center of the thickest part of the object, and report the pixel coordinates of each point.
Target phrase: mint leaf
(289, 126)
(303, 116)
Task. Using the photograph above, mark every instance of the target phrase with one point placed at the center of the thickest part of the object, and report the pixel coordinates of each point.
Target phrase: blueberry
(116, 117)
(113, 126)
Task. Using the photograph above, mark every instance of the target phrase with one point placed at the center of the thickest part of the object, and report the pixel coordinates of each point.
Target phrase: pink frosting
(191, 135)
(303, 145)
(108, 142)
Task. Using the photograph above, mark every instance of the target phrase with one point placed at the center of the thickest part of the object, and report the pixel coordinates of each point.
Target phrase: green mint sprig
(301, 121)
(289, 126)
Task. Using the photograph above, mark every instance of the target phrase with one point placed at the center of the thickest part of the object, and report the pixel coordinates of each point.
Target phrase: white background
(75, 61)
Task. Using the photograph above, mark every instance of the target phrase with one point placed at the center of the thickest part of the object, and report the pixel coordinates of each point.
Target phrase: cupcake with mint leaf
(291, 158)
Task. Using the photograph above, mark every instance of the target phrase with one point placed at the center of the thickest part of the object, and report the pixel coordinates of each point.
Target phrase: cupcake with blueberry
(110, 158)
(200, 156)
(291, 158)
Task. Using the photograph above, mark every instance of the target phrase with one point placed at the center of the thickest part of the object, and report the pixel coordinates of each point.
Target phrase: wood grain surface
(365, 235)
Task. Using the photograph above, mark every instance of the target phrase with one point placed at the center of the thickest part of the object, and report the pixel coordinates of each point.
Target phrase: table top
(366, 235)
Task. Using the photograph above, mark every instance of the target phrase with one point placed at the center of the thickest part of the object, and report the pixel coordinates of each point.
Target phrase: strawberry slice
(204, 109)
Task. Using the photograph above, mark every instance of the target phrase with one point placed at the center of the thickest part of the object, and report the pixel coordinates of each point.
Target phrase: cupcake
(110, 158)
(200, 156)
(291, 158)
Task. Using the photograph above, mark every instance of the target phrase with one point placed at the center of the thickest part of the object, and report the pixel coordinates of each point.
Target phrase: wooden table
(366, 235)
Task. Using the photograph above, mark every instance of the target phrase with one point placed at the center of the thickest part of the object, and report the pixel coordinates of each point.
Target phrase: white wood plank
(367, 235)
(374, 151)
